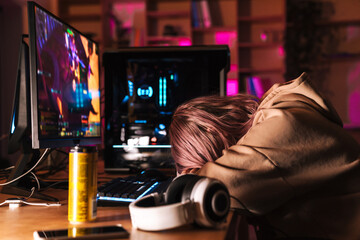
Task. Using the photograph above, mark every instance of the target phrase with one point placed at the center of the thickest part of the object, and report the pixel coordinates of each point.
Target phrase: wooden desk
(20, 223)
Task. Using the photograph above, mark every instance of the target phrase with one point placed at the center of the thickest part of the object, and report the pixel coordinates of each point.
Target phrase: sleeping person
(285, 158)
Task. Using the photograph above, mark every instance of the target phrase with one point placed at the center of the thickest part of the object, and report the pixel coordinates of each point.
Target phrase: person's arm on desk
(285, 165)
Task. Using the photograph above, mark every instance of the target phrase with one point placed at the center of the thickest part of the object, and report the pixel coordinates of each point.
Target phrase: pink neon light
(263, 37)
(184, 42)
(281, 51)
(225, 37)
(229, 38)
(233, 67)
(232, 87)
(126, 12)
(112, 25)
(352, 33)
(353, 88)
(354, 106)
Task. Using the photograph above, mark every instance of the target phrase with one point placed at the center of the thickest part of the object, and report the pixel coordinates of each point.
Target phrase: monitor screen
(143, 87)
(64, 86)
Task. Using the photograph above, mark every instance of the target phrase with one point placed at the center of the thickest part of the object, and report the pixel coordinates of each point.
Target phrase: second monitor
(143, 87)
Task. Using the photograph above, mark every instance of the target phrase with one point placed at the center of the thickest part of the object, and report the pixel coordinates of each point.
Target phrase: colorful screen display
(67, 74)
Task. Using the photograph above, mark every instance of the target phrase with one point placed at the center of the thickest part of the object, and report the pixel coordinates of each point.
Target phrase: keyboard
(123, 191)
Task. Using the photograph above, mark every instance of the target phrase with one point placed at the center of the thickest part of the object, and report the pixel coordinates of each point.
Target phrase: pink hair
(203, 127)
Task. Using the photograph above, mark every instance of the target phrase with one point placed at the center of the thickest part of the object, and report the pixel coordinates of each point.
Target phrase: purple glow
(185, 42)
(225, 37)
(126, 13)
(353, 86)
(281, 51)
(229, 38)
(112, 26)
(353, 33)
(258, 86)
(232, 87)
(233, 67)
(263, 37)
(354, 107)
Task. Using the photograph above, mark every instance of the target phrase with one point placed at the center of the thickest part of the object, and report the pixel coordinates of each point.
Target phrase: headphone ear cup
(188, 190)
(216, 202)
(175, 190)
(211, 199)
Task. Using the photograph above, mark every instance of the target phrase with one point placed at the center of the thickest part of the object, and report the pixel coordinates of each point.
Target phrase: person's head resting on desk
(203, 127)
(276, 155)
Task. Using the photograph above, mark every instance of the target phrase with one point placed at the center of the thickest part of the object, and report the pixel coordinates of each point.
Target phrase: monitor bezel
(37, 141)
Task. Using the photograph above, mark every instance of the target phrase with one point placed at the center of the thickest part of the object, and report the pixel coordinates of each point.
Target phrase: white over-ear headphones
(188, 199)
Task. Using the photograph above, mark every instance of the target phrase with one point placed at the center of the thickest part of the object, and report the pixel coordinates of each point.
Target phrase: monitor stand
(19, 137)
(19, 187)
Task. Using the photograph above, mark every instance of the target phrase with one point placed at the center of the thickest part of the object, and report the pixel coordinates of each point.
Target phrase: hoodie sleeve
(296, 145)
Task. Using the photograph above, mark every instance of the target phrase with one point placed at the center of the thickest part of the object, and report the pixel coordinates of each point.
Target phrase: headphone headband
(188, 199)
(150, 213)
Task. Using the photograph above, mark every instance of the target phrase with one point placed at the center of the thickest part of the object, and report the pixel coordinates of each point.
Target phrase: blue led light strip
(164, 91)
(81, 95)
(160, 91)
(149, 189)
(13, 124)
(131, 88)
(77, 92)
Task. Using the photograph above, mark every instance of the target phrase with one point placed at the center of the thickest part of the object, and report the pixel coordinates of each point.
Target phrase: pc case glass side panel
(143, 90)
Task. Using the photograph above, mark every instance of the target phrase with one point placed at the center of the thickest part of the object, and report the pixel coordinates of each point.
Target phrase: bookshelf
(260, 28)
(85, 15)
(221, 29)
(330, 54)
(121, 23)
(168, 22)
(193, 22)
(252, 29)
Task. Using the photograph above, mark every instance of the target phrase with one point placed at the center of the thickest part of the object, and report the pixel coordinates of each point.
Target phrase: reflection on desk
(20, 223)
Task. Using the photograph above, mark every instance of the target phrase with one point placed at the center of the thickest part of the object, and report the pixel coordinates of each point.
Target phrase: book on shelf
(127, 22)
(201, 16)
(257, 86)
(194, 13)
(138, 31)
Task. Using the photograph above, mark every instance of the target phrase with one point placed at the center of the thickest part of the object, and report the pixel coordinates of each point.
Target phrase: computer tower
(143, 87)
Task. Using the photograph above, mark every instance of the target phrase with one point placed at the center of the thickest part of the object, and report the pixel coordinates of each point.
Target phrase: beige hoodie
(296, 166)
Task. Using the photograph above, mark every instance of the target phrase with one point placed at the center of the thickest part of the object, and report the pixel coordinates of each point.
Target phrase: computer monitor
(65, 90)
(143, 87)
(57, 97)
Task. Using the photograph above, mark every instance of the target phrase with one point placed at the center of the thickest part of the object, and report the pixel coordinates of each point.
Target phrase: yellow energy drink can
(82, 184)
